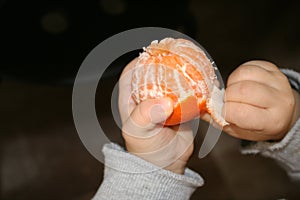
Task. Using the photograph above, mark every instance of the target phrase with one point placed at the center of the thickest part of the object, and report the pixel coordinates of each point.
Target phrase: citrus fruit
(180, 70)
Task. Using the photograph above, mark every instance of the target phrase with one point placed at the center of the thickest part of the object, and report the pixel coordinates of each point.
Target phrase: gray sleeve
(287, 151)
(129, 177)
(294, 78)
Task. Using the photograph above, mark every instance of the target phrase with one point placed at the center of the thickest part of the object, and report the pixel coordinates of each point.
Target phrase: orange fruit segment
(179, 69)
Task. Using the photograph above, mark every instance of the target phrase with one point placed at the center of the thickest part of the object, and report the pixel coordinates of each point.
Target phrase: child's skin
(259, 105)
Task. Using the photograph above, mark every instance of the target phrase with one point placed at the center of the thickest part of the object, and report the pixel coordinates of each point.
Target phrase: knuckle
(244, 68)
(263, 63)
(269, 65)
(241, 72)
(281, 78)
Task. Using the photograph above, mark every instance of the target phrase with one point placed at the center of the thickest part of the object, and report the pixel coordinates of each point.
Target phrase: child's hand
(259, 102)
(167, 147)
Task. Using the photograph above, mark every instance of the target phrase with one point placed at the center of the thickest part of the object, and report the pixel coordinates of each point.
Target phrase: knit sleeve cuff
(294, 78)
(129, 177)
(286, 152)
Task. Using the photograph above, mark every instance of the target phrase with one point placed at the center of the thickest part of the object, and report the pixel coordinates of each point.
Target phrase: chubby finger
(252, 93)
(252, 73)
(146, 116)
(251, 135)
(246, 116)
(263, 64)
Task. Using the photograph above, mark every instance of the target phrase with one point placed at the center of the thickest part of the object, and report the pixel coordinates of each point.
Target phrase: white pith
(156, 75)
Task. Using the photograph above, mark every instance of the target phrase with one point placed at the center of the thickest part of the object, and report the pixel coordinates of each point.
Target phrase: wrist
(158, 159)
(177, 167)
(161, 157)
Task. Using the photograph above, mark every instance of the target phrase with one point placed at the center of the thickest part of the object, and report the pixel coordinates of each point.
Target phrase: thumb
(160, 110)
(147, 115)
(152, 111)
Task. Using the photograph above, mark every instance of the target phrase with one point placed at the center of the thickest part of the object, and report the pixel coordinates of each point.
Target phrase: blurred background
(43, 44)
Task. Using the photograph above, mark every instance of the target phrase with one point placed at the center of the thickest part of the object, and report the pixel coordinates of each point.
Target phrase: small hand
(259, 102)
(144, 134)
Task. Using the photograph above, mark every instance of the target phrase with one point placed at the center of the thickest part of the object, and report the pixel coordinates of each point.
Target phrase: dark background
(42, 45)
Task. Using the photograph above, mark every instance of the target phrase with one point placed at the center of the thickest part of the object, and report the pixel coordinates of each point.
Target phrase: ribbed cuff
(294, 78)
(286, 152)
(129, 177)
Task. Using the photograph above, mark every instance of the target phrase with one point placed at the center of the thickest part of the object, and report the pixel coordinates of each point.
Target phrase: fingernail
(161, 111)
(167, 105)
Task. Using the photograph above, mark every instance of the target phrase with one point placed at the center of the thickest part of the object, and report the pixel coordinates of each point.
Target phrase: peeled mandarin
(180, 70)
